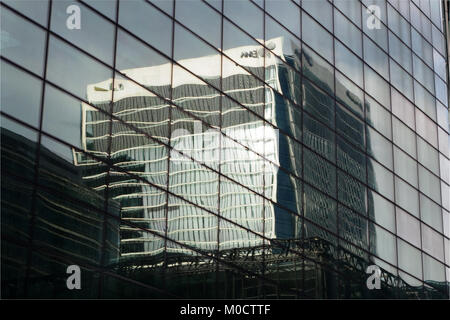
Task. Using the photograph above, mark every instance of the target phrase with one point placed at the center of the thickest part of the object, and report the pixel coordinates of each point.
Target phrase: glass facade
(225, 148)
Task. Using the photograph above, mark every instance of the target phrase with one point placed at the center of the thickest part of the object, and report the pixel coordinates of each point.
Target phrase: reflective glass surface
(242, 149)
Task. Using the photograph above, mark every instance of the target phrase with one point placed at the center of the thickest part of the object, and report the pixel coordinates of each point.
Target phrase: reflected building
(241, 153)
(66, 214)
(144, 203)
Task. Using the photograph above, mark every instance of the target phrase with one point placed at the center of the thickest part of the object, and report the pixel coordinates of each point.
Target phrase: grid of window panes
(94, 175)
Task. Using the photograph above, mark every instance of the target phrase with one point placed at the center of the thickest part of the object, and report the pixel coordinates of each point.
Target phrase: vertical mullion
(336, 184)
(37, 160)
(169, 149)
(263, 157)
(219, 154)
(109, 162)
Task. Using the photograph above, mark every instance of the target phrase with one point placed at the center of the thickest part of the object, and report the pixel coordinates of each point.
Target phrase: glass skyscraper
(225, 148)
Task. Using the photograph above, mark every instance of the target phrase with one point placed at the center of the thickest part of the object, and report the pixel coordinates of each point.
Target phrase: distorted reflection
(165, 166)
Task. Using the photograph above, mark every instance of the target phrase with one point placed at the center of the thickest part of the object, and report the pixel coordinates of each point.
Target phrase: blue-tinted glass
(345, 31)
(286, 13)
(34, 9)
(317, 37)
(14, 84)
(321, 10)
(95, 35)
(348, 63)
(352, 9)
(22, 42)
(140, 17)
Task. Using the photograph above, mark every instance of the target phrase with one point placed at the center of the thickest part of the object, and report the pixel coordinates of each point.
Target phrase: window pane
(433, 270)
(427, 156)
(429, 184)
(445, 193)
(424, 100)
(200, 18)
(352, 227)
(320, 10)
(399, 25)
(352, 9)
(423, 74)
(9, 128)
(376, 86)
(438, 40)
(22, 42)
(320, 209)
(290, 44)
(380, 179)
(348, 63)
(317, 37)
(376, 58)
(142, 64)
(232, 39)
(403, 108)
(345, 31)
(408, 227)
(444, 168)
(349, 94)
(186, 45)
(378, 117)
(379, 147)
(400, 52)
(165, 5)
(246, 15)
(140, 17)
(401, 80)
(407, 197)
(286, 13)
(381, 211)
(431, 213)
(351, 192)
(439, 64)
(36, 10)
(62, 118)
(426, 128)
(318, 137)
(318, 103)
(96, 35)
(382, 244)
(405, 166)
(350, 159)
(318, 70)
(421, 47)
(319, 173)
(14, 83)
(442, 116)
(444, 142)
(409, 259)
(404, 137)
(432, 242)
(441, 90)
(107, 7)
(77, 75)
